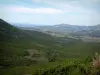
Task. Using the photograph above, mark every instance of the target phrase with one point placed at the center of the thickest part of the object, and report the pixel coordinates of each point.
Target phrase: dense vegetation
(33, 52)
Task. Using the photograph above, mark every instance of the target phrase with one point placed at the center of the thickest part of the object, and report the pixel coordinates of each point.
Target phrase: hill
(16, 44)
(37, 47)
(27, 51)
(73, 30)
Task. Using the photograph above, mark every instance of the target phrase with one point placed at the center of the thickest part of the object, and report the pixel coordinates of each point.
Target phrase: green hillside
(16, 43)
(30, 52)
(66, 67)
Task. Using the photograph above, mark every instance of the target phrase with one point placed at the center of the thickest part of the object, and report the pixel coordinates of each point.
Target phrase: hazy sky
(51, 12)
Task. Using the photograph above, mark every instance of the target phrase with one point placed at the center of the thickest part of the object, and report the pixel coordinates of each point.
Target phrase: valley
(48, 50)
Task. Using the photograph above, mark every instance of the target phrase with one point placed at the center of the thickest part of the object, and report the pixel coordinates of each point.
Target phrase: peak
(1, 20)
(62, 24)
(4, 23)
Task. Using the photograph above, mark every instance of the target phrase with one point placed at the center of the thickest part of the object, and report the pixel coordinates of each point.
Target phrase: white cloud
(71, 12)
(33, 10)
(75, 6)
(64, 0)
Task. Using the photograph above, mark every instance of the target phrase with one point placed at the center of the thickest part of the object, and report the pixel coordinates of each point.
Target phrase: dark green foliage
(71, 69)
(20, 49)
(26, 53)
(15, 43)
(67, 69)
(52, 55)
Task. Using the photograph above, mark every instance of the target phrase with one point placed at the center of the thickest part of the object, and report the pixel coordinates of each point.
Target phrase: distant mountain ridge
(72, 29)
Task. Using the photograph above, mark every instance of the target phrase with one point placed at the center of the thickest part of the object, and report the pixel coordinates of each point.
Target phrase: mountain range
(73, 30)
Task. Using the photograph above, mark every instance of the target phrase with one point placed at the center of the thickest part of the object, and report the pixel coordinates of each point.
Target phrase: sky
(51, 12)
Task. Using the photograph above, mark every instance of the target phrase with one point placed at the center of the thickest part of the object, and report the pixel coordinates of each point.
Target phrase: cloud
(64, 0)
(33, 10)
(78, 12)
(77, 6)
